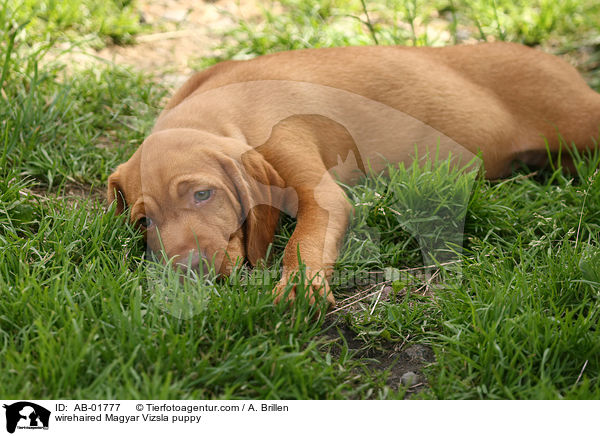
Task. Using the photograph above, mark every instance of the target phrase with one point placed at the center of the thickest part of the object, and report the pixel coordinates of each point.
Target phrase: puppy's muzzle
(193, 262)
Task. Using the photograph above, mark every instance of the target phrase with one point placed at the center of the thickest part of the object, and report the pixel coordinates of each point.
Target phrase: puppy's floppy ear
(266, 191)
(260, 191)
(115, 191)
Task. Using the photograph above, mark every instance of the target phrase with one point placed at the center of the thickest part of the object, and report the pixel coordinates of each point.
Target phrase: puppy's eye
(200, 196)
(145, 222)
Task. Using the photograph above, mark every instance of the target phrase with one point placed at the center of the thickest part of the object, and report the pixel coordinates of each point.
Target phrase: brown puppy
(245, 139)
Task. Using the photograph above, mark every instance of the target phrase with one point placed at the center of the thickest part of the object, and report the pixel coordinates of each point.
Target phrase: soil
(404, 364)
(189, 29)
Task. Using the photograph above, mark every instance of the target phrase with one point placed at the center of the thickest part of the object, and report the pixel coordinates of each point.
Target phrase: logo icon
(26, 415)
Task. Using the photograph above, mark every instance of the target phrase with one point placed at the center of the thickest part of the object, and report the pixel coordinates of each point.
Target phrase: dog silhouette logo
(26, 415)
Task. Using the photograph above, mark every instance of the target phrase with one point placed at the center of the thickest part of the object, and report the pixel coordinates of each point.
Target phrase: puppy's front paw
(288, 288)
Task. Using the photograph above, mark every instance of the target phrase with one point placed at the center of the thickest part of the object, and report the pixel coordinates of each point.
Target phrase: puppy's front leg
(322, 220)
(302, 149)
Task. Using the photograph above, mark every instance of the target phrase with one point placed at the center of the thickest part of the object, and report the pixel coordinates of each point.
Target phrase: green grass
(81, 317)
(308, 24)
(94, 21)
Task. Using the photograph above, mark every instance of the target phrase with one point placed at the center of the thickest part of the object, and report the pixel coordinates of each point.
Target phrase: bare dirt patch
(183, 30)
(404, 365)
(187, 29)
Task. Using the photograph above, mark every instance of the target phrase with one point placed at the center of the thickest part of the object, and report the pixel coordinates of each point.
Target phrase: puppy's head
(198, 196)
